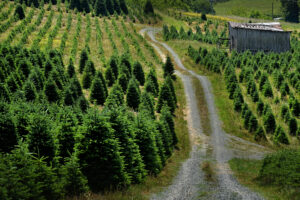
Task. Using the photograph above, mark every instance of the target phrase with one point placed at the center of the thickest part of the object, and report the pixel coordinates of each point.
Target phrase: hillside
(249, 8)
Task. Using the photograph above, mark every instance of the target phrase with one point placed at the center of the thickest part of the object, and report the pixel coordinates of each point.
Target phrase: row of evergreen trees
(99, 7)
(53, 144)
(256, 70)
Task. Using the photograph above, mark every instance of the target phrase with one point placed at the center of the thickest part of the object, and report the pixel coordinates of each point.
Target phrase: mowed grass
(156, 184)
(247, 172)
(263, 6)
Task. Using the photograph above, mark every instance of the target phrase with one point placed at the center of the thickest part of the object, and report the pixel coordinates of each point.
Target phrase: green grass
(232, 123)
(247, 172)
(156, 184)
(244, 7)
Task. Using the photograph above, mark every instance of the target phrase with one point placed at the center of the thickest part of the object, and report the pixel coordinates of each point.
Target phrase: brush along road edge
(214, 149)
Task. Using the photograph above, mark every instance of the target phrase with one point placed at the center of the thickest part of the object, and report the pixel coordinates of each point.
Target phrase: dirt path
(206, 173)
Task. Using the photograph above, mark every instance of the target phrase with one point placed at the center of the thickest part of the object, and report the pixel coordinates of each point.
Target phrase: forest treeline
(55, 142)
(98, 7)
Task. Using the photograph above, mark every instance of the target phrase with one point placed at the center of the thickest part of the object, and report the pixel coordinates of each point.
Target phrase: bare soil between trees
(206, 173)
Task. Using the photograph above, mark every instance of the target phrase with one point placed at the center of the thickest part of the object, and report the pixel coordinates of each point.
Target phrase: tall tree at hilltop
(290, 9)
(100, 8)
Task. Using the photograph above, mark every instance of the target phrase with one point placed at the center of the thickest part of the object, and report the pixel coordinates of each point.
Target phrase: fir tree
(124, 132)
(100, 8)
(123, 6)
(259, 134)
(103, 81)
(87, 80)
(168, 67)
(29, 91)
(165, 96)
(8, 133)
(83, 60)
(113, 63)
(293, 126)
(169, 82)
(71, 69)
(48, 68)
(68, 97)
(76, 182)
(110, 7)
(116, 7)
(4, 93)
(269, 122)
(97, 92)
(115, 97)
(51, 91)
(147, 103)
(123, 81)
(40, 138)
(90, 67)
(167, 118)
(152, 76)
(133, 95)
(148, 8)
(280, 136)
(139, 73)
(19, 12)
(109, 76)
(83, 104)
(107, 164)
(145, 138)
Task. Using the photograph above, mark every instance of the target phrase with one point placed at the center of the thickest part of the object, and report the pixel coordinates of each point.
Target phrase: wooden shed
(258, 37)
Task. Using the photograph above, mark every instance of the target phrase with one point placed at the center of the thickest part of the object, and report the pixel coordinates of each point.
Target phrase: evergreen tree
(51, 91)
(290, 10)
(269, 122)
(116, 7)
(4, 93)
(152, 76)
(145, 138)
(99, 154)
(83, 60)
(123, 6)
(71, 69)
(40, 138)
(83, 104)
(100, 76)
(68, 97)
(280, 136)
(168, 67)
(293, 126)
(76, 182)
(109, 76)
(148, 8)
(48, 68)
(29, 91)
(90, 67)
(165, 96)
(169, 82)
(115, 97)
(133, 95)
(150, 87)
(167, 118)
(147, 103)
(100, 8)
(11, 83)
(97, 92)
(113, 63)
(110, 7)
(167, 139)
(259, 134)
(87, 80)
(19, 12)
(8, 133)
(66, 128)
(123, 81)
(24, 67)
(124, 132)
(139, 73)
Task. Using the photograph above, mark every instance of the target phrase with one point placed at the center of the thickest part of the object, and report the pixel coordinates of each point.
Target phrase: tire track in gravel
(216, 148)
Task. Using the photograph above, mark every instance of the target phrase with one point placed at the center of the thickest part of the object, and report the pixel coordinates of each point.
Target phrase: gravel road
(213, 150)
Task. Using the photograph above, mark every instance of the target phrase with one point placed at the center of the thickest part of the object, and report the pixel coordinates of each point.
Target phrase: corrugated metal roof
(273, 26)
